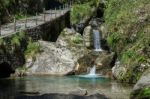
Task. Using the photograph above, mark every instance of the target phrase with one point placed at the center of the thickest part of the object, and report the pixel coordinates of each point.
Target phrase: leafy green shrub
(21, 35)
(32, 49)
(20, 16)
(15, 40)
(79, 12)
(22, 68)
(1, 41)
(127, 55)
(77, 39)
(141, 93)
(113, 39)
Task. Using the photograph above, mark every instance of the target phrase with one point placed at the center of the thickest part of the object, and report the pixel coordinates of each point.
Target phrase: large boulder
(102, 61)
(58, 58)
(141, 89)
(87, 36)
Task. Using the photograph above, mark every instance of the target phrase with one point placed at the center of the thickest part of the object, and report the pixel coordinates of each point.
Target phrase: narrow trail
(30, 22)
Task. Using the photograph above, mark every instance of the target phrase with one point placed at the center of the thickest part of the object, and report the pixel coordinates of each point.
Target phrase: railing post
(66, 6)
(14, 24)
(63, 9)
(25, 22)
(70, 5)
(55, 13)
(59, 10)
(0, 29)
(44, 14)
(50, 14)
(36, 20)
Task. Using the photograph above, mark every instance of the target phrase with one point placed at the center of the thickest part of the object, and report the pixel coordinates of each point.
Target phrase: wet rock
(85, 63)
(102, 61)
(63, 96)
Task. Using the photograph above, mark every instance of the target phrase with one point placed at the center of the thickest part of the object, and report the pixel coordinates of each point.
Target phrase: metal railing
(29, 22)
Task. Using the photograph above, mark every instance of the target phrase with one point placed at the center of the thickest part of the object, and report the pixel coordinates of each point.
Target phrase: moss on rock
(141, 94)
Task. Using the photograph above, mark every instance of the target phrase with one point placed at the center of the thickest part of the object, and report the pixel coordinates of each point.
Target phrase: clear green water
(49, 84)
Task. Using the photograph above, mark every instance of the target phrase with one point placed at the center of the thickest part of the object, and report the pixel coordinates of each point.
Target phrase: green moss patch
(141, 94)
(32, 49)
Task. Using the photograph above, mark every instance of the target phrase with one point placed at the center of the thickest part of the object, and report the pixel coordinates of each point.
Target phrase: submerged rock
(59, 58)
(63, 96)
(80, 92)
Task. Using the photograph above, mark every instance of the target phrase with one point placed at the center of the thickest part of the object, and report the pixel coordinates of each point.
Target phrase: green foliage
(80, 12)
(5, 3)
(16, 39)
(81, 1)
(141, 93)
(1, 41)
(127, 55)
(21, 35)
(77, 39)
(113, 38)
(127, 32)
(146, 92)
(18, 9)
(32, 49)
(20, 16)
(22, 68)
(132, 56)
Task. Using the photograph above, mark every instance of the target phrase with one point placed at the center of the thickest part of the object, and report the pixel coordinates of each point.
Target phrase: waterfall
(97, 41)
(93, 71)
(91, 74)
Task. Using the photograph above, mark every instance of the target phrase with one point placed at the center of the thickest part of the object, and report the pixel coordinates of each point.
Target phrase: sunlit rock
(60, 57)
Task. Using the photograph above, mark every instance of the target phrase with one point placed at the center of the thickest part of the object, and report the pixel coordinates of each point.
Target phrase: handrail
(23, 24)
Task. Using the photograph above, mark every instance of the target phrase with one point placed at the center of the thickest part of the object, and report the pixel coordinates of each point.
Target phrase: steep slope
(127, 30)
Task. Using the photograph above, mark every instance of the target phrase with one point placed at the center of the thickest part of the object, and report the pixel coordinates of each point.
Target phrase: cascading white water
(93, 71)
(91, 74)
(96, 38)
